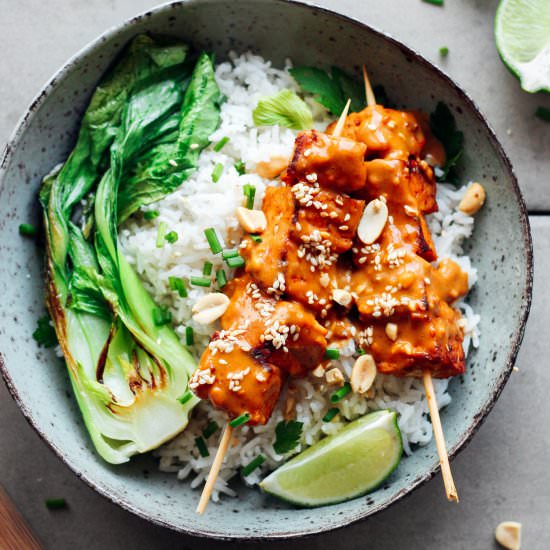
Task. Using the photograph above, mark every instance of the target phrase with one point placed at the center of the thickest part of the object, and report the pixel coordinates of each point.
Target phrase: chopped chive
(443, 51)
(207, 269)
(178, 285)
(211, 428)
(201, 446)
(200, 281)
(213, 241)
(151, 214)
(230, 253)
(55, 503)
(249, 192)
(331, 413)
(240, 420)
(240, 167)
(543, 113)
(221, 144)
(237, 261)
(341, 393)
(161, 232)
(189, 336)
(221, 277)
(27, 229)
(161, 316)
(252, 465)
(360, 351)
(185, 397)
(332, 353)
(434, 2)
(256, 238)
(171, 237)
(217, 172)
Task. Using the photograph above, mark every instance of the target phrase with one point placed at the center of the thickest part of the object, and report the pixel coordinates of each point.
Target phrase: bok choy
(140, 138)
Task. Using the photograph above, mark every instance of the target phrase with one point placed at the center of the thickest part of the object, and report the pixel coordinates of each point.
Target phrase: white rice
(200, 203)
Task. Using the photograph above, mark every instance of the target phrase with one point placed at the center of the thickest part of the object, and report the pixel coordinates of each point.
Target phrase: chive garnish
(201, 446)
(189, 336)
(240, 167)
(252, 465)
(443, 51)
(230, 253)
(221, 277)
(240, 420)
(207, 269)
(331, 413)
(211, 428)
(249, 192)
(217, 172)
(161, 233)
(256, 238)
(178, 285)
(213, 241)
(434, 2)
(185, 397)
(221, 144)
(360, 351)
(171, 237)
(27, 229)
(151, 214)
(332, 353)
(237, 261)
(55, 503)
(200, 281)
(543, 113)
(161, 316)
(341, 393)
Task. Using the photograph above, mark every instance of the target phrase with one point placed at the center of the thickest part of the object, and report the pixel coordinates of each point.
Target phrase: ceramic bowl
(500, 249)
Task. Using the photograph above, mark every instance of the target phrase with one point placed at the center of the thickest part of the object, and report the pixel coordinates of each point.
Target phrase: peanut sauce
(283, 312)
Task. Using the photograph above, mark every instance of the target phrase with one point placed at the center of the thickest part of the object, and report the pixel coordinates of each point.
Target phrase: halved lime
(346, 465)
(522, 32)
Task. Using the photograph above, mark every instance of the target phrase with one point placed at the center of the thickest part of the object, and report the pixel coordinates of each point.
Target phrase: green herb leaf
(284, 109)
(326, 90)
(45, 333)
(287, 436)
(350, 88)
(443, 126)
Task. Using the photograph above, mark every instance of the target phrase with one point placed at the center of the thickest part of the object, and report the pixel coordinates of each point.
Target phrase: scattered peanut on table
(473, 199)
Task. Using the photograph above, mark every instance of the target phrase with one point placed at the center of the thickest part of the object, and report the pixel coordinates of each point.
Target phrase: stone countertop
(502, 474)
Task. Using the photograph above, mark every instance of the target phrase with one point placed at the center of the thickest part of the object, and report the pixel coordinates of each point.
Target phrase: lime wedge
(346, 465)
(522, 32)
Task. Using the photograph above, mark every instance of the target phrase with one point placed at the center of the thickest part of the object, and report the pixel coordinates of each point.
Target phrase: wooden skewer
(215, 469)
(226, 437)
(369, 94)
(450, 489)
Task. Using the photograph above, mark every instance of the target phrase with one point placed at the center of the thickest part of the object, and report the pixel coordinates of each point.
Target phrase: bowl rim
(23, 124)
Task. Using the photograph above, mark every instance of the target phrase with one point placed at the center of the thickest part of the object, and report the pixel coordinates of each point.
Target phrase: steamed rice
(200, 203)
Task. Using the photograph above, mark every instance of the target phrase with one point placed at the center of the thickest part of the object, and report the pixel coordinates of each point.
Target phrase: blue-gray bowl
(500, 248)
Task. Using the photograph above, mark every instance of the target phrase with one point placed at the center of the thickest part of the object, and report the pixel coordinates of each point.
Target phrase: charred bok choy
(140, 138)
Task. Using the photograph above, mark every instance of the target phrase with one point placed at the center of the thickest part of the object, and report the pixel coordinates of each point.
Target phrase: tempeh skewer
(448, 481)
(227, 434)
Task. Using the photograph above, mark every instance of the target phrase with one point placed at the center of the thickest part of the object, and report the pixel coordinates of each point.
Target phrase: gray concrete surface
(503, 474)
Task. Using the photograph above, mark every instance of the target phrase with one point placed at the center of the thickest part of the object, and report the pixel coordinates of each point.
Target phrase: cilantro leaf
(287, 436)
(443, 126)
(45, 333)
(326, 90)
(350, 88)
(285, 109)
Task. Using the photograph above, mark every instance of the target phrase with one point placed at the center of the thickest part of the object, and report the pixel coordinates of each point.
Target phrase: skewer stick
(450, 489)
(215, 469)
(226, 437)
(369, 94)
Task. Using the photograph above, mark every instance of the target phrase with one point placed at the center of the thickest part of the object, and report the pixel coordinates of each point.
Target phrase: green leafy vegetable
(145, 126)
(284, 108)
(443, 126)
(287, 436)
(45, 333)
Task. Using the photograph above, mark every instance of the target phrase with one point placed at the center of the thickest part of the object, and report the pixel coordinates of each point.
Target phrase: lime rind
(336, 469)
(522, 33)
